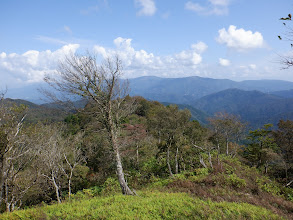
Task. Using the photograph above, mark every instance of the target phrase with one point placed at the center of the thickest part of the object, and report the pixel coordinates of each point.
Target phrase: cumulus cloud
(224, 62)
(240, 39)
(199, 47)
(141, 62)
(212, 7)
(147, 7)
(32, 65)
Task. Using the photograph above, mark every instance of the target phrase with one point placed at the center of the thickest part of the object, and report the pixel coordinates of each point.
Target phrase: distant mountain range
(189, 89)
(256, 101)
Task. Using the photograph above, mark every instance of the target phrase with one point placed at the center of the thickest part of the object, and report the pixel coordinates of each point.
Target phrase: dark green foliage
(261, 149)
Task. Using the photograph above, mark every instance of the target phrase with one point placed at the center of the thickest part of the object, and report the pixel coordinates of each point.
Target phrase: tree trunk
(2, 178)
(210, 160)
(176, 161)
(168, 161)
(227, 147)
(137, 157)
(69, 184)
(7, 204)
(218, 147)
(202, 161)
(56, 188)
(113, 136)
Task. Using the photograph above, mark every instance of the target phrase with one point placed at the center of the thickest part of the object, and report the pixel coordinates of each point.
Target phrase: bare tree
(82, 76)
(50, 156)
(287, 61)
(15, 155)
(73, 156)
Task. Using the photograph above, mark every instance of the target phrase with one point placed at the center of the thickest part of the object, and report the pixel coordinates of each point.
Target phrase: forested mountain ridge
(256, 107)
(36, 113)
(284, 93)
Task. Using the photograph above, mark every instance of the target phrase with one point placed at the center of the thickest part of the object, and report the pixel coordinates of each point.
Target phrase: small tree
(101, 84)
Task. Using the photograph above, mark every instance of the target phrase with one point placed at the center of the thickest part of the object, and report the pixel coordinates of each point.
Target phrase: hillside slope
(253, 106)
(230, 190)
(145, 206)
(36, 113)
(196, 114)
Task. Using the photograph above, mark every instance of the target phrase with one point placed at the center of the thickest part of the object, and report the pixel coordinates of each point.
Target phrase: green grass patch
(148, 205)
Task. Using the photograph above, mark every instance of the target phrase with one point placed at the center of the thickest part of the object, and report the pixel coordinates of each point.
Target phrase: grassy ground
(230, 190)
(147, 205)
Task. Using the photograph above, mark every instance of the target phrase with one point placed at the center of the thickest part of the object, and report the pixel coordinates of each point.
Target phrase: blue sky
(233, 39)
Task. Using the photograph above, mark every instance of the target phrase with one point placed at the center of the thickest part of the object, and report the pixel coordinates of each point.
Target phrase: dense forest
(161, 148)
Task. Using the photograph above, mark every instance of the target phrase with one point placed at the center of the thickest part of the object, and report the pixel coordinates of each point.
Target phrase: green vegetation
(163, 153)
(172, 166)
(147, 205)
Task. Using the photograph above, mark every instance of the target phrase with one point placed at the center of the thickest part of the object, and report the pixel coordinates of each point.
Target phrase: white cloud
(148, 7)
(224, 62)
(141, 62)
(212, 7)
(199, 47)
(32, 65)
(194, 7)
(240, 39)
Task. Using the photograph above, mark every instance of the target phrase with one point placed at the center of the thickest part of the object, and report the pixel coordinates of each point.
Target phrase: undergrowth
(148, 205)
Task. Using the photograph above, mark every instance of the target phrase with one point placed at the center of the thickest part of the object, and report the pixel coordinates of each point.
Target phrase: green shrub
(199, 174)
(110, 186)
(269, 186)
(156, 182)
(234, 181)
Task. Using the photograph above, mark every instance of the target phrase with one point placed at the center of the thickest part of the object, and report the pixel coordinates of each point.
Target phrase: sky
(223, 39)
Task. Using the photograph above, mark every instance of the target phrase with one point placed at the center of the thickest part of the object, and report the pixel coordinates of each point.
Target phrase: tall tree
(101, 84)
